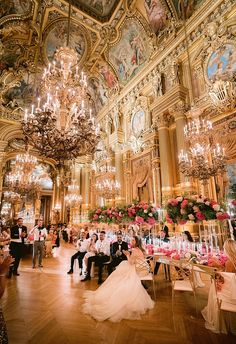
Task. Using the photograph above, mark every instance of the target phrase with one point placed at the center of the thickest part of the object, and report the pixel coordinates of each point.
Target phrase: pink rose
(222, 216)
(145, 206)
(173, 202)
(200, 216)
(95, 217)
(139, 219)
(184, 203)
(234, 202)
(168, 219)
(151, 221)
(98, 211)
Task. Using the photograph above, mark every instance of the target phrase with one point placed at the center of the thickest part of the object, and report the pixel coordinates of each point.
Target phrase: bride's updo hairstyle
(230, 250)
(138, 243)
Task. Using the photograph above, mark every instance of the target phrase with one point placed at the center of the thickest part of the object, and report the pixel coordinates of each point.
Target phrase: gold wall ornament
(223, 95)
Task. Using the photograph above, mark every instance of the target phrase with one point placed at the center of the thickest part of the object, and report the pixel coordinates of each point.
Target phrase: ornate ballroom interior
(104, 104)
(146, 79)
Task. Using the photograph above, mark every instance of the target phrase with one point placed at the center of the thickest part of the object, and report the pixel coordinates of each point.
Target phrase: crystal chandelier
(61, 125)
(73, 198)
(222, 95)
(26, 162)
(11, 196)
(22, 180)
(106, 186)
(6, 208)
(205, 158)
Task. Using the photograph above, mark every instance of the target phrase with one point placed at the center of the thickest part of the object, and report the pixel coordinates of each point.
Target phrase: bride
(122, 295)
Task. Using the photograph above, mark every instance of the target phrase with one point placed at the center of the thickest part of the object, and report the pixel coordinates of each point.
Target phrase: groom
(102, 255)
(117, 254)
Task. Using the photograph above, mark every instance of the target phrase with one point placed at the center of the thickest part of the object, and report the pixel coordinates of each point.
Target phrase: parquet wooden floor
(43, 306)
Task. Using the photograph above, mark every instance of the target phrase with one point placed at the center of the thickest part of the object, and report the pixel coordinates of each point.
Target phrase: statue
(157, 85)
(174, 73)
(116, 118)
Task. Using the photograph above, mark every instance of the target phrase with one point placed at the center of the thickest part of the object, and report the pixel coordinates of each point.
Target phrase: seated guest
(117, 254)
(226, 291)
(187, 236)
(81, 246)
(91, 249)
(48, 244)
(164, 236)
(102, 255)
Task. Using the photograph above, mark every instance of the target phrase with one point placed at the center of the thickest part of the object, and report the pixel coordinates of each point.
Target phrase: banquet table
(162, 258)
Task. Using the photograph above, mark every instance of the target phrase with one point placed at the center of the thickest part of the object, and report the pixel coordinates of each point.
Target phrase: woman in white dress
(226, 292)
(122, 295)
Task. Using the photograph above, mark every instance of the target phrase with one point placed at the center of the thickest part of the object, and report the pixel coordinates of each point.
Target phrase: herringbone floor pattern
(43, 306)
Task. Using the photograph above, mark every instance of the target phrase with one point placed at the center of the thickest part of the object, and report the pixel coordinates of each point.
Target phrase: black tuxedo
(116, 260)
(17, 248)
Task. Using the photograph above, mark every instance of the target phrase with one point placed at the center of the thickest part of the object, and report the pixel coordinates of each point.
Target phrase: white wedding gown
(121, 296)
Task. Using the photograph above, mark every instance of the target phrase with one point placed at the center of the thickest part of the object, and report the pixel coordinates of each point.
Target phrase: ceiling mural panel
(19, 7)
(56, 37)
(108, 76)
(129, 55)
(189, 6)
(100, 9)
(156, 14)
(98, 93)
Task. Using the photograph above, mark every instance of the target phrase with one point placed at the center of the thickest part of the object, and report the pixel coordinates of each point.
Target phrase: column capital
(178, 110)
(163, 121)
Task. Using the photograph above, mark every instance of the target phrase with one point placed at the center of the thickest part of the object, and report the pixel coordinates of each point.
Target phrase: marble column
(165, 157)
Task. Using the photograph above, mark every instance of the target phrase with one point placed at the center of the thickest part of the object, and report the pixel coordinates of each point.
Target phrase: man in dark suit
(117, 252)
(18, 236)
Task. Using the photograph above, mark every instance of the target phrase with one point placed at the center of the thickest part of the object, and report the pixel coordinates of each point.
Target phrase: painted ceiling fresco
(100, 9)
(93, 21)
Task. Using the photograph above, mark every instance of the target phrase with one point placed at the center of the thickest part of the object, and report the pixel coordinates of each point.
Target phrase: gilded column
(178, 112)
(120, 175)
(127, 173)
(165, 156)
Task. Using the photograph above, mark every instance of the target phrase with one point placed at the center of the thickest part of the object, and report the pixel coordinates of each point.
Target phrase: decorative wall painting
(222, 63)
(57, 37)
(108, 75)
(138, 122)
(156, 14)
(189, 7)
(18, 7)
(129, 55)
(231, 187)
(102, 8)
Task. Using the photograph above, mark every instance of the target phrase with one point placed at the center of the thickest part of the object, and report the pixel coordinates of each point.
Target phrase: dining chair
(145, 270)
(226, 304)
(182, 279)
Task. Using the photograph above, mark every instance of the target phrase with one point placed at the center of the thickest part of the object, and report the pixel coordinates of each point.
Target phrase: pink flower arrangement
(200, 216)
(196, 208)
(136, 213)
(222, 216)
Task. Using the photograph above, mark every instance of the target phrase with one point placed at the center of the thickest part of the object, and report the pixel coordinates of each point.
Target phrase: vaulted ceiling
(114, 39)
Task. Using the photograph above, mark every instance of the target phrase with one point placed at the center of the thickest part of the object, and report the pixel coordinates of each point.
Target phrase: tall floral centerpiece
(136, 213)
(194, 208)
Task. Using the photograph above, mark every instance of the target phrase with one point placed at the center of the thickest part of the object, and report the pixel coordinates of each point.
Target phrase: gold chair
(145, 270)
(182, 279)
